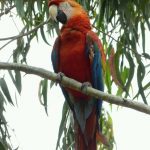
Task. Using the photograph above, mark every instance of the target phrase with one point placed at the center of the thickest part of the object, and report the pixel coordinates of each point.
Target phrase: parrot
(78, 54)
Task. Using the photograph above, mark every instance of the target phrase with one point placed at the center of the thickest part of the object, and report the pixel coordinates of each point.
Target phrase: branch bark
(73, 84)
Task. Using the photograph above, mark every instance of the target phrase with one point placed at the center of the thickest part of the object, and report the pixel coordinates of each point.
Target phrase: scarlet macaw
(78, 53)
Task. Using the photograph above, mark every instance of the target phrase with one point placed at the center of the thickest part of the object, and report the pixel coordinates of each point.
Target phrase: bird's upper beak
(57, 14)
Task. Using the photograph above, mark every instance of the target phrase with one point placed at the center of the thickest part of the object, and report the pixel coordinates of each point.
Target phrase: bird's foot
(59, 77)
(85, 85)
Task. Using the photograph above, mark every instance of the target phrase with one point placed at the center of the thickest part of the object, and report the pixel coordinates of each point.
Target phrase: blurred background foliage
(122, 27)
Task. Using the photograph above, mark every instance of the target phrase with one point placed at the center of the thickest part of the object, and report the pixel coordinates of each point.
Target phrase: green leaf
(5, 90)
(140, 77)
(11, 76)
(43, 35)
(131, 70)
(20, 7)
(107, 78)
(117, 65)
(144, 88)
(65, 113)
(143, 36)
(146, 55)
(106, 123)
(16, 80)
(43, 93)
(2, 147)
(2, 101)
(52, 84)
(112, 67)
(39, 5)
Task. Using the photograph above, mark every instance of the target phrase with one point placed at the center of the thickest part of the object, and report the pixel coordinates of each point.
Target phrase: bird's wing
(95, 52)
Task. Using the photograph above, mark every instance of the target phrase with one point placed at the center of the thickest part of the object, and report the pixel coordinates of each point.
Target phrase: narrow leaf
(143, 36)
(131, 70)
(140, 76)
(5, 90)
(43, 35)
(39, 5)
(2, 101)
(2, 147)
(42, 93)
(18, 81)
(146, 55)
(51, 84)
(19, 6)
(65, 112)
(113, 68)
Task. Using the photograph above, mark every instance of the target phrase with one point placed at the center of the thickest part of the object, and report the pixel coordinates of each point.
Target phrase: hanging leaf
(2, 101)
(113, 68)
(140, 77)
(145, 88)
(65, 112)
(16, 80)
(108, 78)
(5, 90)
(51, 84)
(143, 36)
(146, 55)
(131, 71)
(39, 5)
(43, 35)
(20, 7)
(2, 147)
(107, 129)
(43, 93)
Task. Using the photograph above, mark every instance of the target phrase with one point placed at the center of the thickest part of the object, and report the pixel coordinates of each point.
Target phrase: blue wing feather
(96, 66)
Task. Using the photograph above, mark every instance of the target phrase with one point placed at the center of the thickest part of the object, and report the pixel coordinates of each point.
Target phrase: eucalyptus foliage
(122, 27)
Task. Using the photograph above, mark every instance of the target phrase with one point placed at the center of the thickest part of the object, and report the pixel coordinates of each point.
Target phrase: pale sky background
(34, 130)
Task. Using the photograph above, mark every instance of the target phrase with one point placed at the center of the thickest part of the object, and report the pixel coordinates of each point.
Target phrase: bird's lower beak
(61, 16)
(57, 14)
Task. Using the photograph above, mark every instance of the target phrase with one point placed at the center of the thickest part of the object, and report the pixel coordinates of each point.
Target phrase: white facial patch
(66, 8)
(53, 12)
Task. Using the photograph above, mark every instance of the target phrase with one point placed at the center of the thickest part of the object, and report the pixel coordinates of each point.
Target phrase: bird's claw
(59, 77)
(85, 85)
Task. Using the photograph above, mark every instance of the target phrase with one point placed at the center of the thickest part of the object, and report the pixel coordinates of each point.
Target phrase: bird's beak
(57, 14)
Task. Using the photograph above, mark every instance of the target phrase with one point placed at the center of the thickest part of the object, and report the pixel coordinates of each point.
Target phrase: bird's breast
(74, 62)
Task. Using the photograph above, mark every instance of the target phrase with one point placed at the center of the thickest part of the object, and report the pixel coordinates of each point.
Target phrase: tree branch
(73, 84)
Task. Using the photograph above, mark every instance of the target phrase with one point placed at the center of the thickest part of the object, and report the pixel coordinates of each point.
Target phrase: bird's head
(64, 10)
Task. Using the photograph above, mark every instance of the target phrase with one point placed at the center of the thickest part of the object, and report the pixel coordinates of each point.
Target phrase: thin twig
(106, 34)
(12, 38)
(7, 10)
(6, 44)
(117, 41)
(27, 33)
(73, 84)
